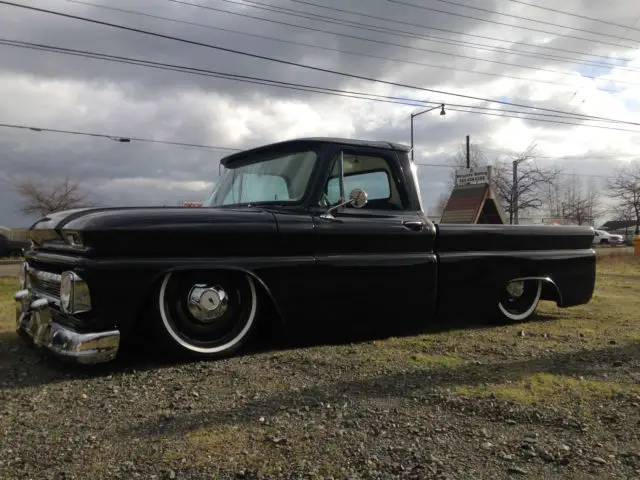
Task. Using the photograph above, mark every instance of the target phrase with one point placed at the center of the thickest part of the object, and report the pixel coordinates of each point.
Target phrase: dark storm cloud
(175, 106)
(43, 28)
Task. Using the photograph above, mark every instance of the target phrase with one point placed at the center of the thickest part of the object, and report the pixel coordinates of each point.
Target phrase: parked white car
(602, 237)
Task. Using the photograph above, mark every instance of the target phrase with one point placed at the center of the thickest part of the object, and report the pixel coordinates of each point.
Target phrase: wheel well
(269, 315)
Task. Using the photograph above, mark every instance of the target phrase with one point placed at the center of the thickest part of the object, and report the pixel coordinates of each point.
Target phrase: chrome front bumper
(33, 318)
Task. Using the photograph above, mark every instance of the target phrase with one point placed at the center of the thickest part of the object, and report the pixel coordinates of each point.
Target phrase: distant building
(472, 199)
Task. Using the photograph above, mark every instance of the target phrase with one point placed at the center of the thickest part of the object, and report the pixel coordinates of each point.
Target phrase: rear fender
(550, 291)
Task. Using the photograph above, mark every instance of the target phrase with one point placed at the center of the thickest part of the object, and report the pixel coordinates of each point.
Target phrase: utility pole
(513, 217)
(514, 195)
(468, 154)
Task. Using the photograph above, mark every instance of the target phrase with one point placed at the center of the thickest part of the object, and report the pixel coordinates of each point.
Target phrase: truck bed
(510, 238)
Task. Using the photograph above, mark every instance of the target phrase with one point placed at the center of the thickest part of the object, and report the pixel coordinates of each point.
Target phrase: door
(376, 262)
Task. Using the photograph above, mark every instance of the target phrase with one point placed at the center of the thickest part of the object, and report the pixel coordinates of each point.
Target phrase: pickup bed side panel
(477, 261)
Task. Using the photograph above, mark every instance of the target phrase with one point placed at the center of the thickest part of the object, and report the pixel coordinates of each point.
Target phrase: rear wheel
(519, 299)
(206, 314)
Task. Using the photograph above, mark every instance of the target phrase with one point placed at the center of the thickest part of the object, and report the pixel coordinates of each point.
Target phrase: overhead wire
(455, 32)
(573, 14)
(495, 22)
(529, 19)
(290, 63)
(116, 138)
(361, 54)
(431, 38)
(122, 138)
(310, 88)
(402, 33)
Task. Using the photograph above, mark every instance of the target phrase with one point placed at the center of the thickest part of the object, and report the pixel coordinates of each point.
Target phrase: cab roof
(317, 140)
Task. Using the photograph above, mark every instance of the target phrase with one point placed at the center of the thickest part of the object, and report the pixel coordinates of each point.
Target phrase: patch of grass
(8, 286)
(255, 447)
(550, 389)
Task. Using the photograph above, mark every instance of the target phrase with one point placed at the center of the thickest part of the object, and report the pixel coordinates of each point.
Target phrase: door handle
(416, 226)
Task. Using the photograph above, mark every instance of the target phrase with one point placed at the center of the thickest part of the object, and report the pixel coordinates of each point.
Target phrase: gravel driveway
(558, 397)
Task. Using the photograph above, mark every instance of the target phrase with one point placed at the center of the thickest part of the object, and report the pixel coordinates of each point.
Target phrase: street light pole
(413, 115)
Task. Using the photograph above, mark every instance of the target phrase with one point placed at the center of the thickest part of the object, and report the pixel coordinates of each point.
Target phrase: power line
(606, 22)
(386, 30)
(543, 22)
(382, 42)
(547, 56)
(563, 157)
(320, 47)
(495, 22)
(300, 65)
(303, 87)
(128, 139)
(116, 138)
(485, 37)
(441, 165)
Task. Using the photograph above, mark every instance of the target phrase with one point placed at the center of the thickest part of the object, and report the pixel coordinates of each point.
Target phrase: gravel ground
(558, 397)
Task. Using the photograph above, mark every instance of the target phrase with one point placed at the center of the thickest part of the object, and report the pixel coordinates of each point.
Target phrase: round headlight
(66, 290)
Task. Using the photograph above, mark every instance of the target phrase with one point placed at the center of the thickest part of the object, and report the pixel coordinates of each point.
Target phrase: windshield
(281, 177)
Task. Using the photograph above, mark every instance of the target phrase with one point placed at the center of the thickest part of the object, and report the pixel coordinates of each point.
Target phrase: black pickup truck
(325, 234)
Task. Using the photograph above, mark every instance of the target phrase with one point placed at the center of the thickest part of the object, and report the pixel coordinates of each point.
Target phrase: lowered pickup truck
(280, 234)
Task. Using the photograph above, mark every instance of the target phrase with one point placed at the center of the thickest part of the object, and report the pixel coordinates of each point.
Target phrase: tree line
(550, 192)
(545, 191)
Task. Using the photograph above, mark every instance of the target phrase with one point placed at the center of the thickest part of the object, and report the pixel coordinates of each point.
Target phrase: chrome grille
(45, 282)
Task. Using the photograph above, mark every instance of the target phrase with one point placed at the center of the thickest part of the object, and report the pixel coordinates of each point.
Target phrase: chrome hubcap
(515, 289)
(206, 303)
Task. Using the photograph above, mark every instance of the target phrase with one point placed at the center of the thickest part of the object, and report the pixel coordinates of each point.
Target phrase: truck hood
(158, 230)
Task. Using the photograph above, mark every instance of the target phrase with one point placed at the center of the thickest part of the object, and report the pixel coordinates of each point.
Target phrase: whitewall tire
(206, 314)
(519, 299)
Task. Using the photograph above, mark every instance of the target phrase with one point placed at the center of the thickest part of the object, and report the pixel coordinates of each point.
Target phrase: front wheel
(206, 314)
(519, 299)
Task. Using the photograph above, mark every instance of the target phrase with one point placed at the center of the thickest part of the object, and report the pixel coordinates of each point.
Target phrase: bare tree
(42, 198)
(528, 190)
(624, 188)
(580, 206)
(553, 199)
(622, 213)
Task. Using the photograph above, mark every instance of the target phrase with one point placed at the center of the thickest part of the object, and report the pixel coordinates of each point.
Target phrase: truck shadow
(421, 384)
(22, 365)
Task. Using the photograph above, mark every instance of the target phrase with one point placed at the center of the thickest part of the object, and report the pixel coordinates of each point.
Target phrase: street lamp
(514, 191)
(413, 115)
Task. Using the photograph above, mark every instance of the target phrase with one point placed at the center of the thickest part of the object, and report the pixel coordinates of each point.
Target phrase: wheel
(206, 314)
(519, 299)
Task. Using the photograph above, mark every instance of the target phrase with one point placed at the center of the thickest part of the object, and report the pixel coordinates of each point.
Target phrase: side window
(375, 183)
(373, 174)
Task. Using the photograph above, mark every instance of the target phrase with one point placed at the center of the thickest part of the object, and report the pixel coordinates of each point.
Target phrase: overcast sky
(50, 90)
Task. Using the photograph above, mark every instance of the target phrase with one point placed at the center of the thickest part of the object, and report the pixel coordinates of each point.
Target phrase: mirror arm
(329, 215)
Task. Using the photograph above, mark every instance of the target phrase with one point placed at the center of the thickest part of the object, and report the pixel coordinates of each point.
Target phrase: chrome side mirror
(357, 198)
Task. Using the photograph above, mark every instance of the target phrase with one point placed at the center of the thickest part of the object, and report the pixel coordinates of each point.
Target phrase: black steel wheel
(209, 314)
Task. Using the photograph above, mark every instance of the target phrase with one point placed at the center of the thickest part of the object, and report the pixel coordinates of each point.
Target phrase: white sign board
(473, 176)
